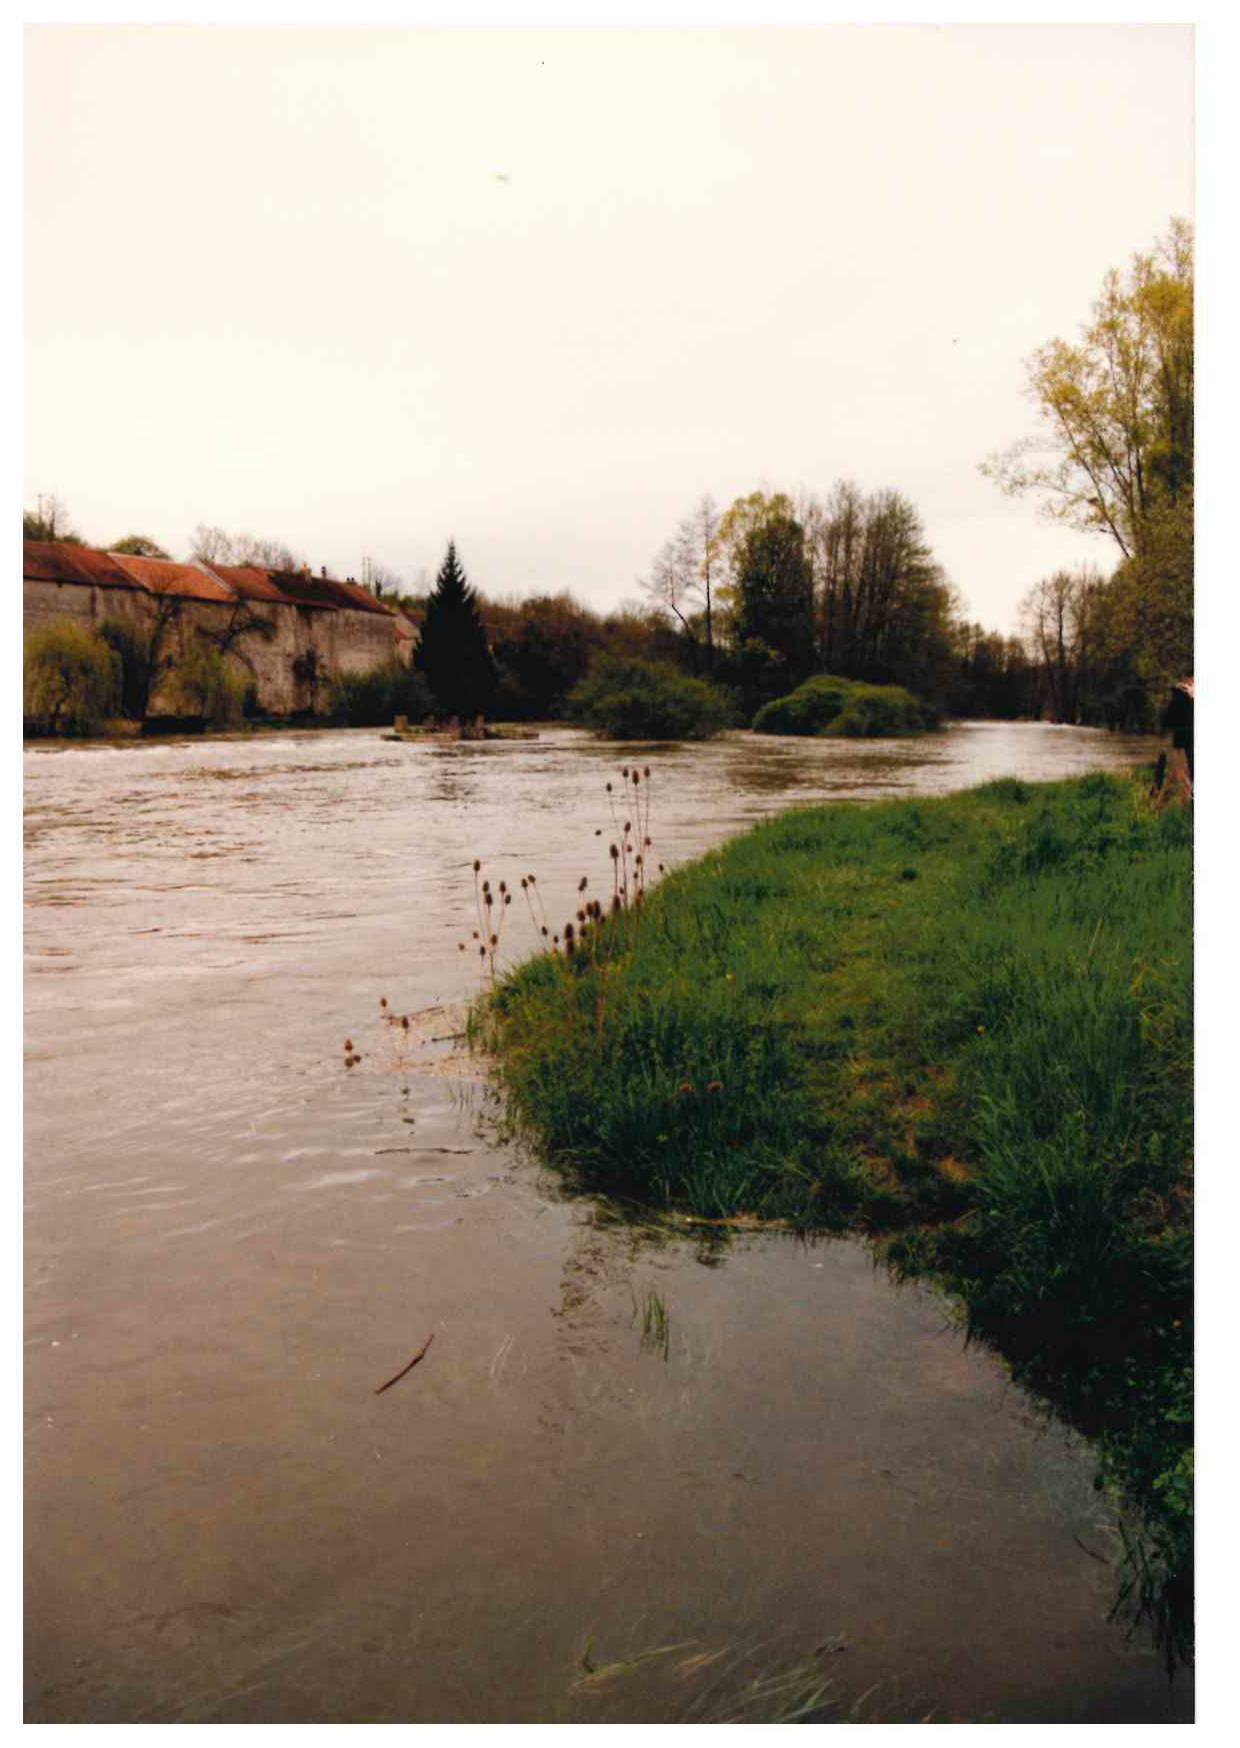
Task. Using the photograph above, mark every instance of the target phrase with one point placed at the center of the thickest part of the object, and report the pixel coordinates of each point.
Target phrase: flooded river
(632, 1478)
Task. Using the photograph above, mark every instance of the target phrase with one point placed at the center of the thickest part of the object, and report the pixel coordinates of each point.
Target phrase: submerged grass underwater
(961, 1025)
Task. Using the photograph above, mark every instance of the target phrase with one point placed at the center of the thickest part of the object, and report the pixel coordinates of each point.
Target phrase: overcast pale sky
(360, 290)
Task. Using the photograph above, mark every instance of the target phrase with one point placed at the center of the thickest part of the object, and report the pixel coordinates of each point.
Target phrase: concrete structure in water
(289, 634)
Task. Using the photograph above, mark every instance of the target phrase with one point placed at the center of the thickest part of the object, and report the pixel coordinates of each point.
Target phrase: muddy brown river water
(634, 1478)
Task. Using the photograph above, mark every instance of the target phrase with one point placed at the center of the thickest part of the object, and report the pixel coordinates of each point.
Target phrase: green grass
(961, 1025)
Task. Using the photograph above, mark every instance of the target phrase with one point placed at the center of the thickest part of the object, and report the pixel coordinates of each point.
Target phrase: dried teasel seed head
(531, 880)
(636, 778)
(615, 853)
(544, 931)
(477, 866)
(461, 945)
(598, 831)
(348, 1044)
(582, 884)
(495, 940)
(609, 788)
(646, 771)
(503, 886)
(508, 898)
(624, 772)
(524, 883)
(646, 843)
(581, 916)
(482, 952)
(383, 1001)
(404, 1020)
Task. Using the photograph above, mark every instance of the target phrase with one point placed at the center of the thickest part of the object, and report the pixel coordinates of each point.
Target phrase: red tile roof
(354, 595)
(249, 582)
(161, 576)
(311, 591)
(53, 561)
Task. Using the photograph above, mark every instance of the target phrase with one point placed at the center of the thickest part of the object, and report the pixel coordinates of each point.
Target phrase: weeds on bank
(600, 928)
(961, 1024)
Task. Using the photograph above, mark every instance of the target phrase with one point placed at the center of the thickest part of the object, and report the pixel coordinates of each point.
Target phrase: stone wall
(289, 652)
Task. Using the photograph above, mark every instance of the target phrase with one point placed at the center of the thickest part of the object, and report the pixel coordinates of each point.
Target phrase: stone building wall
(290, 650)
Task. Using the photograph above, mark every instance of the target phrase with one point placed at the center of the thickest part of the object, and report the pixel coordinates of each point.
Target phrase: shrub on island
(809, 709)
(637, 700)
(831, 705)
(882, 711)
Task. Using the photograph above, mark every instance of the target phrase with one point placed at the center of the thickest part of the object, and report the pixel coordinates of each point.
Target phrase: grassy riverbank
(962, 1025)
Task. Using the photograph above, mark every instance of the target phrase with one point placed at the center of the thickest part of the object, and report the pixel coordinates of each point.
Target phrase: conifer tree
(453, 653)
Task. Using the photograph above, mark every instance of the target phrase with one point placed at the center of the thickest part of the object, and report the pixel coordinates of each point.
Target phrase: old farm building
(290, 633)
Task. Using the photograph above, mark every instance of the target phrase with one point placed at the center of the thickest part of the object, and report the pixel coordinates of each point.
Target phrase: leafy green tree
(1115, 448)
(453, 652)
(70, 678)
(638, 700)
(1114, 453)
(138, 546)
(772, 579)
(542, 647)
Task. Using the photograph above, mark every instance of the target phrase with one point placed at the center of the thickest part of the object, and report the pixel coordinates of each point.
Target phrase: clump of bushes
(638, 700)
(70, 679)
(374, 699)
(831, 705)
(808, 710)
(879, 711)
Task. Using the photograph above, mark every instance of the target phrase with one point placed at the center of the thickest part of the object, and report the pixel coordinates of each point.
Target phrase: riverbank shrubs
(962, 1025)
(831, 705)
(375, 698)
(70, 679)
(639, 700)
